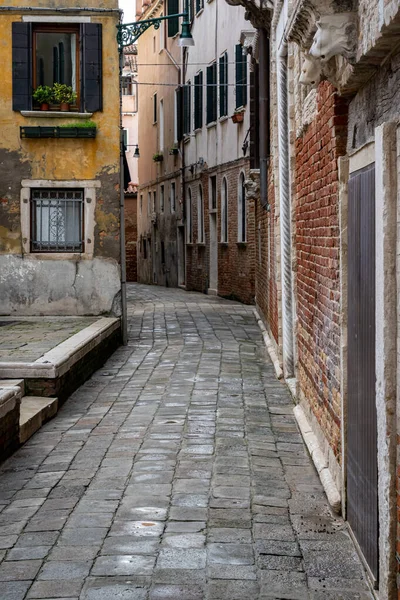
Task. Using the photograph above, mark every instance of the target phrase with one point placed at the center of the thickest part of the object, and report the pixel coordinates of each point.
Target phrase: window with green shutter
(199, 5)
(173, 24)
(198, 100)
(223, 85)
(241, 76)
(212, 93)
(186, 108)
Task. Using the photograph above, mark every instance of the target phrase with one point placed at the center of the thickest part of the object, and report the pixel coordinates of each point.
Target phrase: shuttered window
(173, 24)
(199, 5)
(223, 85)
(186, 108)
(89, 54)
(240, 76)
(212, 93)
(198, 100)
(178, 134)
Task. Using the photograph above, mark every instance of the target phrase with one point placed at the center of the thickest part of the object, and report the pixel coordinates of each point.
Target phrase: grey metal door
(362, 468)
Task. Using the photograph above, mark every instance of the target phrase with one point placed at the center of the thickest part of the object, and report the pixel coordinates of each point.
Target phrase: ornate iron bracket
(129, 33)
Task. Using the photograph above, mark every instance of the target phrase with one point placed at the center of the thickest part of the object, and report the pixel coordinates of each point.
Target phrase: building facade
(326, 275)
(59, 183)
(196, 218)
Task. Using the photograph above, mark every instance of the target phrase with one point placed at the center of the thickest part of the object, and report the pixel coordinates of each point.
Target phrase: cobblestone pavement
(25, 339)
(176, 473)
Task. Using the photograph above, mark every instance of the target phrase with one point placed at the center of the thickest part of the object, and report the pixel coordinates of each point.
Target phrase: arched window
(242, 210)
(189, 235)
(200, 216)
(224, 211)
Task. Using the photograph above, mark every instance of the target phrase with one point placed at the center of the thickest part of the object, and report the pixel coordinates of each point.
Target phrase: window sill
(198, 130)
(224, 244)
(242, 244)
(223, 119)
(200, 12)
(211, 125)
(201, 244)
(186, 139)
(58, 114)
(212, 211)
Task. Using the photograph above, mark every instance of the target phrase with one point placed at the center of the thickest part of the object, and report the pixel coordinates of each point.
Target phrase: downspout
(124, 316)
(264, 112)
(285, 216)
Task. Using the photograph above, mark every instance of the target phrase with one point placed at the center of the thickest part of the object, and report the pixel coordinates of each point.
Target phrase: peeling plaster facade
(60, 283)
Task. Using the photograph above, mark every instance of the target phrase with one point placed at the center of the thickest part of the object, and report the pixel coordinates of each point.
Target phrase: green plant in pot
(43, 95)
(158, 157)
(64, 95)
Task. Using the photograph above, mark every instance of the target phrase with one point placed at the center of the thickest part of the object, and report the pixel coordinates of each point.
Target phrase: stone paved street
(175, 473)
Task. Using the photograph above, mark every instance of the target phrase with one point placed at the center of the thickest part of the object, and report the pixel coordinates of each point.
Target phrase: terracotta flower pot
(237, 117)
(64, 106)
(44, 106)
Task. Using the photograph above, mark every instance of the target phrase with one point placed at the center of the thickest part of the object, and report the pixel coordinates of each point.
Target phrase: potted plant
(64, 95)
(174, 151)
(158, 157)
(43, 95)
(238, 116)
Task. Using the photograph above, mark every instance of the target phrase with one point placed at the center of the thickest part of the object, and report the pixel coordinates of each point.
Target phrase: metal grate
(57, 220)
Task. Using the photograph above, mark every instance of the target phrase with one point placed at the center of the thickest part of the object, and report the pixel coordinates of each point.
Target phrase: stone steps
(34, 411)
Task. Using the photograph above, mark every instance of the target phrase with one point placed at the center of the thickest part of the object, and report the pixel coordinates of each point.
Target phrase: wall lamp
(129, 33)
(136, 154)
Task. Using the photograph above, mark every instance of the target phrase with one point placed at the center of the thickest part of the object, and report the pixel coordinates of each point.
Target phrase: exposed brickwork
(9, 427)
(317, 251)
(266, 292)
(236, 261)
(131, 237)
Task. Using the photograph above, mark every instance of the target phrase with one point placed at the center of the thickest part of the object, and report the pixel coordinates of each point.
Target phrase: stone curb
(269, 345)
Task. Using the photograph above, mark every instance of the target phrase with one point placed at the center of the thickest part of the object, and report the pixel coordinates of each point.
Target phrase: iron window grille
(56, 220)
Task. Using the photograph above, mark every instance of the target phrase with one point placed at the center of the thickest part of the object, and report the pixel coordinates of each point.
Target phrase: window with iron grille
(56, 220)
(212, 93)
(223, 85)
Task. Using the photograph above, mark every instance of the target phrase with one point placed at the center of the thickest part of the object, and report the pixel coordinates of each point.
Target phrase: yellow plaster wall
(61, 159)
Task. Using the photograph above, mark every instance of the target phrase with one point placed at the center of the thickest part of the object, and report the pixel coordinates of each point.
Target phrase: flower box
(58, 132)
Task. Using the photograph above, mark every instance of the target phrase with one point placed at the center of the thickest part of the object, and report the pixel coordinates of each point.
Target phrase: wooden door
(362, 468)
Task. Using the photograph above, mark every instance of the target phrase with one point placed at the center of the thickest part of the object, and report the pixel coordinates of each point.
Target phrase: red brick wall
(266, 292)
(317, 251)
(236, 262)
(131, 237)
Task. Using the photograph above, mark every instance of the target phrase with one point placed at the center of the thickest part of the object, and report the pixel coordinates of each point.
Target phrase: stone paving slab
(176, 472)
(26, 339)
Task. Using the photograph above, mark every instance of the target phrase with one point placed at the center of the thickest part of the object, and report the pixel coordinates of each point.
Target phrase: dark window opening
(144, 248)
(241, 76)
(198, 100)
(223, 85)
(213, 181)
(162, 253)
(212, 93)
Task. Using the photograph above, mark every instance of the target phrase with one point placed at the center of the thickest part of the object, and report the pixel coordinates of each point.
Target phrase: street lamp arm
(129, 33)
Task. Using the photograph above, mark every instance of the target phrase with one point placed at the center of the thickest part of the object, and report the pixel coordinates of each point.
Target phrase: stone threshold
(310, 438)
(61, 358)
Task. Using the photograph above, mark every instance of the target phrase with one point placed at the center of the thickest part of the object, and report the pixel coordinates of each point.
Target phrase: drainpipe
(285, 216)
(264, 113)
(124, 316)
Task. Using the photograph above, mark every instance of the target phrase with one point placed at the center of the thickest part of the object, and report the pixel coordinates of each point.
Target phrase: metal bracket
(129, 33)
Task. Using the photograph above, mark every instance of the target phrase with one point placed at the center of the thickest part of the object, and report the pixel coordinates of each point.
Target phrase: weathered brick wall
(236, 261)
(266, 290)
(131, 237)
(317, 253)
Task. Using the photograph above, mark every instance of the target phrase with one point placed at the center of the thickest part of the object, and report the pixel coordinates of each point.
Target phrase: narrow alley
(176, 472)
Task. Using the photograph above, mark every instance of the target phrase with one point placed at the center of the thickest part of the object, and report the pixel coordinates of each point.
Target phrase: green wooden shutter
(198, 101)
(241, 76)
(223, 85)
(21, 66)
(186, 108)
(179, 110)
(212, 93)
(92, 76)
(173, 24)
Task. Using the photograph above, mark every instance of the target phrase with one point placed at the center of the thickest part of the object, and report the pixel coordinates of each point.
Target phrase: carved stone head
(311, 71)
(336, 35)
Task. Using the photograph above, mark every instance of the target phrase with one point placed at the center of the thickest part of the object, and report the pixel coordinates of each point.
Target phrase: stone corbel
(258, 12)
(311, 71)
(336, 36)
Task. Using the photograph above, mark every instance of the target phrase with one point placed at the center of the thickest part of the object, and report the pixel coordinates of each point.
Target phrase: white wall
(217, 29)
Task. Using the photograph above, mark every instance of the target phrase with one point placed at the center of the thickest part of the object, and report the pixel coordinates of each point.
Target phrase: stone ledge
(58, 114)
(60, 359)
